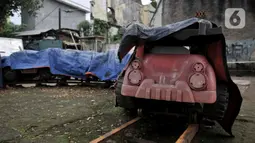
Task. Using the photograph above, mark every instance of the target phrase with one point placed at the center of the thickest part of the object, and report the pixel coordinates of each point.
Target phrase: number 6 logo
(235, 18)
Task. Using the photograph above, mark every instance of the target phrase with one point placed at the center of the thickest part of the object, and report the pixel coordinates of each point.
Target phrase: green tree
(154, 3)
(9, 29)
(86, 27)
(117, 37)
(9, 7)
(101, 27)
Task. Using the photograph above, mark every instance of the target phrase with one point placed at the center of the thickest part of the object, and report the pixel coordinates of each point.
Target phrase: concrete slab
(243, 85)
(242, 82)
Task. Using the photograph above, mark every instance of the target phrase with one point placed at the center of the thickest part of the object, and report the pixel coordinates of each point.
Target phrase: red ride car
(178, 68)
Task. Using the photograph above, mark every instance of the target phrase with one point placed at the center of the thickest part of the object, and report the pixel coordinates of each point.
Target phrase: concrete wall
(171, 11)
(126, 11)
(176, 10)
(99, 9)
(27, 20)
(157, 19)
(146, 13)
(69, 20)
(241, 50)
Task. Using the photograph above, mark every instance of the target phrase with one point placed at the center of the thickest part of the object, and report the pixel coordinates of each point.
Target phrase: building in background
(177, 10)
(123, 11)
(48, 16)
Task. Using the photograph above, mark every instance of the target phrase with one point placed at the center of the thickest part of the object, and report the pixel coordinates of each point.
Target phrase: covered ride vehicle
(178, 68)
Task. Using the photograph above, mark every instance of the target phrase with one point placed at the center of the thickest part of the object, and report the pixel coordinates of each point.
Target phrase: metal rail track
(186, 136)
(116, 130)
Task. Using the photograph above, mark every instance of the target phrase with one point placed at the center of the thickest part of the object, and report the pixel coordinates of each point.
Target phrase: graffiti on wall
(241, 55)
(241, 50)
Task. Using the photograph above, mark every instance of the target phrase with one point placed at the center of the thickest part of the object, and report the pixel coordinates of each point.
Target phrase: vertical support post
(92, 3)
(106, 12)
(107, 36)
(73, 40)
(96, 44)
(59, 18)
(1, 75)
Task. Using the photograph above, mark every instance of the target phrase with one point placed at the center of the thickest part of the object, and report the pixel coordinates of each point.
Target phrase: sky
(16, 19)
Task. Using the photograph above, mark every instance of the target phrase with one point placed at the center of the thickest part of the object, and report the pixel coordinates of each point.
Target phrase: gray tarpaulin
(136, 31)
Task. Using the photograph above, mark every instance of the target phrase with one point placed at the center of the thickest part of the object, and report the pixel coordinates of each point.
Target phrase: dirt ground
(80, 114)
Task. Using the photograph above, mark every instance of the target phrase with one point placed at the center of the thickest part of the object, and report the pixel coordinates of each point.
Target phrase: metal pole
(106, 12)
(59, 18)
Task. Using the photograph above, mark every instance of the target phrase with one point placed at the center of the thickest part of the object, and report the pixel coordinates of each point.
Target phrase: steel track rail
(186, 136)
(116, 130)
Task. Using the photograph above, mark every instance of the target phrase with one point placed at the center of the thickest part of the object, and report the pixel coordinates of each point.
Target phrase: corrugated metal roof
(32, 32)
(40, 31)
(75, 5)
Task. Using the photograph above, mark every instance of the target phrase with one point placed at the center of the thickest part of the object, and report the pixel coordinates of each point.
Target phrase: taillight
(136, 64)
(135, 76)
(197, 81)
(198, 67)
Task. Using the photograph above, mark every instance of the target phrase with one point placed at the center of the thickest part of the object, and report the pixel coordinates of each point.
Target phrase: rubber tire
(11, 76)
(44, 74)
(217, 110)
(128, 103)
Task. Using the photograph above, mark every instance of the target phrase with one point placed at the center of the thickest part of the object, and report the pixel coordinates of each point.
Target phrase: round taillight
(198, 67)
(136, 64)
(197, 81)
(135, 77)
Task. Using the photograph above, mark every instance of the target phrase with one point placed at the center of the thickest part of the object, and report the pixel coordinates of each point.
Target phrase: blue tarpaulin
(72, 63)
(107, 66)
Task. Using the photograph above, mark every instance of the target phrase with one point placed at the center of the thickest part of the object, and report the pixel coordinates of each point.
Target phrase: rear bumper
(180, 92)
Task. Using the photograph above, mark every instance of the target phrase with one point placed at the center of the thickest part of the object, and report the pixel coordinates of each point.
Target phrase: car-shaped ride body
(178, 68)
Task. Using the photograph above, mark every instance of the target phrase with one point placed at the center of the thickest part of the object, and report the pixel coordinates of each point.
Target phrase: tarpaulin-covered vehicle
(58, 65)
(180, 68)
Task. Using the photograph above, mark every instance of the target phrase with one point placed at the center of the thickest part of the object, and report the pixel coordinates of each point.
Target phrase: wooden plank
(188, 134)
(123, 126)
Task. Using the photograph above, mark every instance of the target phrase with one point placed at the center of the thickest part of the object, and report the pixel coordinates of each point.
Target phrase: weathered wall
(146, 13)
(27, 20)
(176, 10)
(157, 19)
(47, 19)
(99, 9)
(241, 50)
(126, 11)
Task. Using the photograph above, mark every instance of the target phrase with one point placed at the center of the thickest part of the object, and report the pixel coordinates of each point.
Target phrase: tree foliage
(100, 28)
(9, 29)
(85, 25)
(117, 37)
(9, 7)
(154, 3)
